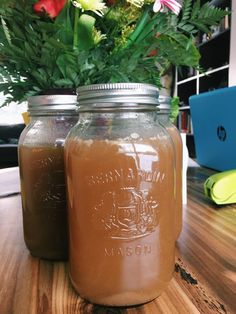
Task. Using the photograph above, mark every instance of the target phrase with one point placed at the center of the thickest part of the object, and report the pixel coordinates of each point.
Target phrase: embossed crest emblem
(126, 214)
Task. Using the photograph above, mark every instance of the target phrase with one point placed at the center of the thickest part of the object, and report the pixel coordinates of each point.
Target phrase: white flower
(173, 5)
(137, 3)
(97, 6)
(98, 36)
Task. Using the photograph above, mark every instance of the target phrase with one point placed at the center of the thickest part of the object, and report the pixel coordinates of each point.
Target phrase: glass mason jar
(41, 163)
(163, 115)
(120, 181)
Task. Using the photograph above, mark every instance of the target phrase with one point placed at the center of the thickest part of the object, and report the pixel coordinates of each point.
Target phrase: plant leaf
(65, 29)
(85, 32)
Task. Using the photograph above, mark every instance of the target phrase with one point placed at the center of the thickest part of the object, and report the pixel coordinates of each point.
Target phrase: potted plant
(61, 44)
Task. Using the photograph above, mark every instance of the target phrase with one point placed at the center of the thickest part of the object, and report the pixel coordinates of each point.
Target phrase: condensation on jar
(120, 182)
(41, 163)
(164, 118)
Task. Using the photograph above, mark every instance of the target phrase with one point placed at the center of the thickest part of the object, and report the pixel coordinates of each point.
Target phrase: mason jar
(164, 118)
(120, 184)
(41, 163)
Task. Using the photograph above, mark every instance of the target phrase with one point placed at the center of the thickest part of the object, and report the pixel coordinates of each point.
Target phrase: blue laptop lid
(214, 126)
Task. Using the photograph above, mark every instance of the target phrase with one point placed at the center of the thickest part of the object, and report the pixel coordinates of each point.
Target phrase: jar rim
(164, 102)
(120, 96)
(52, 103)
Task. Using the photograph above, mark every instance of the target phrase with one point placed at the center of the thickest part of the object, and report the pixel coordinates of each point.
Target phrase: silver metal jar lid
(120, 96)
(164, 102)
(52, 104)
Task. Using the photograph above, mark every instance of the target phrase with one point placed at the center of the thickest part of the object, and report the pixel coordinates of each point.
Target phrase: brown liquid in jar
(44, 201)
(121, 224)
(174, 133)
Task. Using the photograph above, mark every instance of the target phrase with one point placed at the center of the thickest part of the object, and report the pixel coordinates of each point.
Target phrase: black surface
(9, 136)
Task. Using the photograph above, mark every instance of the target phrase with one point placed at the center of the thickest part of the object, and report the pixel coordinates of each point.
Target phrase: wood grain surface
(204, 280)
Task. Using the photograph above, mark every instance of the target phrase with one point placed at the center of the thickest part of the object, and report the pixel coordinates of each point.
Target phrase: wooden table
(204, 280)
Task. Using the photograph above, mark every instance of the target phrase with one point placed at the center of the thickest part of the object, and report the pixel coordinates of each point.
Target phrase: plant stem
(75, 38)
(141, 24)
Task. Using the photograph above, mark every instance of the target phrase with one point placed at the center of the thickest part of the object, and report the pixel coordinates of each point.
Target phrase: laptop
(214, 126)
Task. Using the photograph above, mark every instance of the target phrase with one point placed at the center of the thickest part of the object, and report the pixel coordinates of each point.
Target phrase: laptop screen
(214, 126)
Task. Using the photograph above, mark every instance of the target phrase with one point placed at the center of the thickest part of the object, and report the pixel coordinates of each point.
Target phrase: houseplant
(54, 44)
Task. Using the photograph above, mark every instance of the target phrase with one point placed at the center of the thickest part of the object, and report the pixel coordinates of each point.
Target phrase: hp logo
(221, 133)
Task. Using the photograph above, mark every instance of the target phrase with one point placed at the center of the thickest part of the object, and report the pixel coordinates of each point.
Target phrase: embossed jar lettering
(129, 250)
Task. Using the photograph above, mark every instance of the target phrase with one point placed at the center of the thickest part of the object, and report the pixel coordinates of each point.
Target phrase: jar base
(124, 299)
(50, 257)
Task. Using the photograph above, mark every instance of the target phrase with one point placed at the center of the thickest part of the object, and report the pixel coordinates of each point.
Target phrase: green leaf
(18, 31)
(6, 31)
(188, 28)
(66, 63)
(174, 48)
(186, 10)
(63, 83)
(204, 16)
(140, 27)
(174, 109)
(65, 29)
(41, 77)
(85, 32)
(195, 10)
